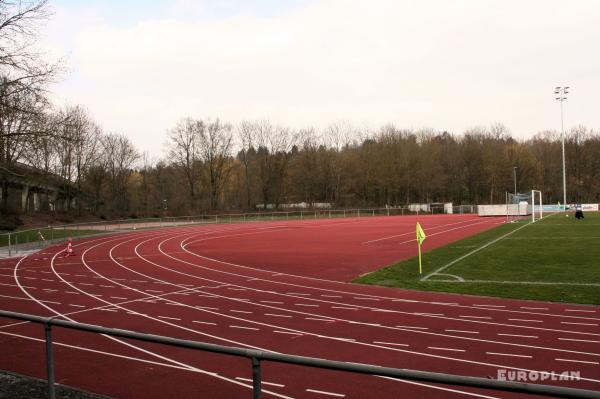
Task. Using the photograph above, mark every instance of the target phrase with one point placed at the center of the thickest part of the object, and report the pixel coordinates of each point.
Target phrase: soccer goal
(522, 205)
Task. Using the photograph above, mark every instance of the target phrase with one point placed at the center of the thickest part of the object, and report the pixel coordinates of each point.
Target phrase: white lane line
(518, 336)
(241, 311)
(580, 324)
(462, 331)
(527, 320)
(476, 317)
(428, 314)
(88, 284)
(108, 310)
(277, 315)
(286, 332)
(337, 395)
(157, 291)
(366, 298)
(72, 292)
(76, 306)
(508, 354)
(331, 296)
(262, 382)
(29, 278)
(306, 304)
(245, 328)
(236, 289)
(389, 343)
(297, 293)
(118, 297)
(139, 281)
(204, 322)
(417, 328)
(580, 310)
(530, 308)
(343, 307)
(206, 307)
(446, 349)
(491, 306)
(576, 361)
(275, 302)
(168, 318)
(48, 279)
(318, 319)
(207, 296)
(49, 290)
(579, 340)
(80, 275)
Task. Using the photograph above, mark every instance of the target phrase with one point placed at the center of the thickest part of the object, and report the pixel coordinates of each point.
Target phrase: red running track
(279, 286)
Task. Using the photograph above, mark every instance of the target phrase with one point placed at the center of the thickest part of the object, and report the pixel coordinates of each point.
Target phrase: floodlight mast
(561, 95)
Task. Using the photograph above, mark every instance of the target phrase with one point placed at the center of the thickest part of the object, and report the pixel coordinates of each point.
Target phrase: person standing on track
(69, 249)
(579, 212)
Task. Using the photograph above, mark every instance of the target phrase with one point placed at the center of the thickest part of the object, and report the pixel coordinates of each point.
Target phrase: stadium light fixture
(562, 92)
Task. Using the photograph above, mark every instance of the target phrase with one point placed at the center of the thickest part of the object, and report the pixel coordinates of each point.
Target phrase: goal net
(522, 206)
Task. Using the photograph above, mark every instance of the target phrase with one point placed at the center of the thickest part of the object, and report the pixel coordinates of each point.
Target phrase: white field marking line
(532, 308)
(580, 310)
(240, 311)
(490, 306)
(337, 395)
(364, 343)
(27, 299)
(204, 322)
(262, 382)
(389, 343)
(460, 337)
(476, 317)
(319, 319)
(343, 307)
(330, 296)
(415, 327)
(411, 232)
(307, 305)
(286, 332)
(276, 302)
(334, 282)
(245, 328)
(508, 354)
(528, 320)
(576, 361)
(517, 335)
(579, 324)
(527, 282)
(472, 252)
(462, 331)
(277, 315)
(135, 359)
(168, 318)
(76, 306)
(446, 349)
(579, 340)
(297, 293)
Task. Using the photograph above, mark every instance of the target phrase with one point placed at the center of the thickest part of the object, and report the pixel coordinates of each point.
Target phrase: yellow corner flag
(420, 238)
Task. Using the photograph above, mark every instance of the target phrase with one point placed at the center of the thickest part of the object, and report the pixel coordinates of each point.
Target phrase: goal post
(522, 205)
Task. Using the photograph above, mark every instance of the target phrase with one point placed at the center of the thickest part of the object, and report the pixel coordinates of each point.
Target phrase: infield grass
(555, 259)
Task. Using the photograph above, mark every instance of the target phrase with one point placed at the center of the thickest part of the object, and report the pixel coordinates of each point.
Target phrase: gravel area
(16, 386)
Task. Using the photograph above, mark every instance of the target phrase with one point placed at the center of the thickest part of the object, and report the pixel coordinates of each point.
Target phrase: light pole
(515, 174)
(561, 95)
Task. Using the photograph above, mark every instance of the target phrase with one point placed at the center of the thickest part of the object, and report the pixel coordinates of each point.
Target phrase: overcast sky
(139, 66)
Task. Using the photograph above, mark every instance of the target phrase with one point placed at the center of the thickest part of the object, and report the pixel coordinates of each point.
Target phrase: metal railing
(257, 356)
(38, 238)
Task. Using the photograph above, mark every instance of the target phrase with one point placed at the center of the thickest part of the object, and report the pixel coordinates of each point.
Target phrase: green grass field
(555, 259)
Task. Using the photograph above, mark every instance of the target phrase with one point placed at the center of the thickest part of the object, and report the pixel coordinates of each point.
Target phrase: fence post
(358, 212)
(300, 215)
(373, 212)
(256, 379)
(16, 243)
(9, 249)
(49, 360)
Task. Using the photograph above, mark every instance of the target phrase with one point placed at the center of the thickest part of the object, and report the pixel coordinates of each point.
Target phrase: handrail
(256, 356)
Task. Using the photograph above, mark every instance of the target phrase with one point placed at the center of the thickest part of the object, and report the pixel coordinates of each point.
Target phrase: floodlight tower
(561, 95)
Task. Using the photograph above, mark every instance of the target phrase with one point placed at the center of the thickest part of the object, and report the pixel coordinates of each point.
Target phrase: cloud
(447, 65)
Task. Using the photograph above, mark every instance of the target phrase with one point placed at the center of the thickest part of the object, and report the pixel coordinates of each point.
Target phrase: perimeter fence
(35, 239)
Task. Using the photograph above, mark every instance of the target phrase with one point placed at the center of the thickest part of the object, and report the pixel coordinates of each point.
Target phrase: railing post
(256, 379)
(9, 249)
(16, 243)
(49, 360)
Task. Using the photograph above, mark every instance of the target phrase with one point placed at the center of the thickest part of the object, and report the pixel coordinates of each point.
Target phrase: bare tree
(184, 151)
(215, 150)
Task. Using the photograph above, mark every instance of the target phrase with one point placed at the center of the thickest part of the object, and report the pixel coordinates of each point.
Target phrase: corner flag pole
(420, 238)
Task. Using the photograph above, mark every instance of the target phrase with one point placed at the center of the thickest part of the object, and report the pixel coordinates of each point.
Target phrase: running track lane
(162, 257)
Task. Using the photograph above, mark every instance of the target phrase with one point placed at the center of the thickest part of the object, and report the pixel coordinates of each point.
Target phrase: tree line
(210, 165)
